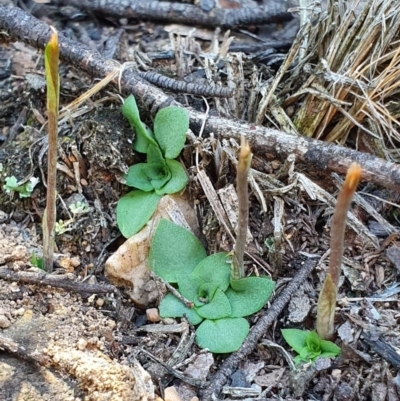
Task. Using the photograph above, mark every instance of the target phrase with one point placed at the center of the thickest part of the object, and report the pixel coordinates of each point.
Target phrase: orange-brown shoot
(51, 58)
(327, 297)
(242, 169)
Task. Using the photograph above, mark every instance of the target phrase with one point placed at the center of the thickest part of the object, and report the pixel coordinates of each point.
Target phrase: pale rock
(152, 315)
(75, 261)
(170, 394)
(128, 265)
(65, 262)
(100, 302)
(82, 344)
(200, 367)
(18, 312)
(20, 252)
(4, 322)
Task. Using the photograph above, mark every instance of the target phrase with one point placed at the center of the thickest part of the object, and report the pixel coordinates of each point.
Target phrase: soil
(81, 346)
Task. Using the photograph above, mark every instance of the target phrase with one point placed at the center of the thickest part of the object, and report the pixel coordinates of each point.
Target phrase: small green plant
(220, 302)
(25, 190)
(160, 174)
(216, 292)
(309, 345)
(37, 261)
(62, 226)
(79, 208)
(270, 244)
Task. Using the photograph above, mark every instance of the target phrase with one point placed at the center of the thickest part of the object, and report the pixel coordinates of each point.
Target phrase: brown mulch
(107, 328)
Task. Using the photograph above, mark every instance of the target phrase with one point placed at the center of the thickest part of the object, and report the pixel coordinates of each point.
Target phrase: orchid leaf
(222, 335)
(178, 179)
(134, 210)
(144, 136)
(171, 306)
(248, 295)
(174, 251)
(218, 308)
(170, 127)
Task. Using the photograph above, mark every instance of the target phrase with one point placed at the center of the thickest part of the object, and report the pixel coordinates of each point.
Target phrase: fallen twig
(230, 364)
(10, 346)
(382, 348)
(20, 26)
(58, 281)
(184, 13)
(172, 290)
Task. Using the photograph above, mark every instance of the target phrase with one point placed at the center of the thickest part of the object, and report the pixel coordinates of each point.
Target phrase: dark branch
(382, 348)
(10, 346)
(57, 281)
(184, 13)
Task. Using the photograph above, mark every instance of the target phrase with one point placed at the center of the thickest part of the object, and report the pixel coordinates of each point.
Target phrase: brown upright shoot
(243, 167)
(53, 92)
(327, 297)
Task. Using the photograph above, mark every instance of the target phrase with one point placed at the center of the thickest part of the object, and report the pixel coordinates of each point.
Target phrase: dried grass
(346, 78)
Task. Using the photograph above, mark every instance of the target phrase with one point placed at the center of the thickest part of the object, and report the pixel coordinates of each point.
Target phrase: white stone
(82, 343)
(4, 322)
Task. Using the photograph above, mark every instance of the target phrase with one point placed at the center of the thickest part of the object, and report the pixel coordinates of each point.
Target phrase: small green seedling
(160, 174)
(79, 208)
(220, 302)
(309, 345)
(25, 190)
(62, 227)
(270, 244)
(37, 261)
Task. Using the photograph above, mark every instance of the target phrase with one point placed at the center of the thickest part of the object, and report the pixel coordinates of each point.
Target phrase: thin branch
(382, 348)
(185, 87)
(184, 13)
(176, 373)
(172, 290)
(320, 156)
(10, 346)
(57, 281)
